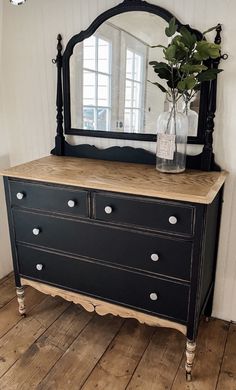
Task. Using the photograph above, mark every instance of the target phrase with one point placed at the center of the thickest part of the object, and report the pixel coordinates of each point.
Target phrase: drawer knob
(36, 231)
(108, 209)
(154, 257)
(39, 267)
(153, 296)
(173, 220)
(20, 195)
(71, 203)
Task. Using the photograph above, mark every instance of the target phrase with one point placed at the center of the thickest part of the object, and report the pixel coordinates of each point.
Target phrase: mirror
(104, 88)
(111, 86)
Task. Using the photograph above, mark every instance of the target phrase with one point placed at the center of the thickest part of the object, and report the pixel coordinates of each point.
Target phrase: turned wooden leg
(21, 300)
(190, 354)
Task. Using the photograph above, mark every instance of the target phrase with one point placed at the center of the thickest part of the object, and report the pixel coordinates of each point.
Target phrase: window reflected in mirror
(97, 83)
(111, 79)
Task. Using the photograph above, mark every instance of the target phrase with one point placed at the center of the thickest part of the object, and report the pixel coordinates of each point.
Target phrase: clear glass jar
(172, 134)
(192, 119)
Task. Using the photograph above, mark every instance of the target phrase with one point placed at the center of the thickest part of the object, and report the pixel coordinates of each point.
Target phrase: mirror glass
(111, 79)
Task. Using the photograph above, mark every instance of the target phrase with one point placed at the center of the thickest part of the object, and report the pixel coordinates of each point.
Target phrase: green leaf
(164, 74)
(214, 50)
(190, 82)
(209, 30)
(198, 58)
(187, 38)
(181, 48)
(205, 50)
(159, 65)
(170, 53)
(187, 84)
(163, 89)
(153, 63)
(209, 74)
(172, 28)
(178, 41)
(181, 85)
(153, 47)
(162, 69)
(193, 61)
(174, 78)
(189, 68)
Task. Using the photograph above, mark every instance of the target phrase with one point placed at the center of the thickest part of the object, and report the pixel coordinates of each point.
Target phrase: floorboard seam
(36, 339)
(6, 285)
(64, 351)
(21, 318)
(116, 334)
(182, 357)
(222, 358)
(154, 331)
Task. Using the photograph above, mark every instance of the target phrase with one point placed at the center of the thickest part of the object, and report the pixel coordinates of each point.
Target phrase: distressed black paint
(110, 258)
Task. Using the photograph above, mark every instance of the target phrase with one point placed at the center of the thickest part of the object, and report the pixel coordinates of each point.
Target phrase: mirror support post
(59, 139)
(208, 163)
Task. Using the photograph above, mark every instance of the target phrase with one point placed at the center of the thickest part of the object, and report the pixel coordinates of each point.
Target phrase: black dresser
(88, 231)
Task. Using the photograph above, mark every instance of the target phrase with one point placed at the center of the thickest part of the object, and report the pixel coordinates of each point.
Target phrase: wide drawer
(148, 252)
(128, 288)
(162, 216)
(50, 198)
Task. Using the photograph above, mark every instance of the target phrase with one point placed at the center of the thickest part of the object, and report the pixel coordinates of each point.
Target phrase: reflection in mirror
(111, 79)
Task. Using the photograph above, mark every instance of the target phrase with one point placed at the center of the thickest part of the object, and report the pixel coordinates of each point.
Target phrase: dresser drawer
(148, 252)
(129, 288)
(162, 216)
(52, 198)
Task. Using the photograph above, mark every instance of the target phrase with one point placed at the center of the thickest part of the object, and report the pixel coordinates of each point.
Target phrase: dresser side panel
(210, 249)
(12, 232)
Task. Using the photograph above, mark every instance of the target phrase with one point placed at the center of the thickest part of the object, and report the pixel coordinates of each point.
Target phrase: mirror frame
(125, 6)
(204, 160)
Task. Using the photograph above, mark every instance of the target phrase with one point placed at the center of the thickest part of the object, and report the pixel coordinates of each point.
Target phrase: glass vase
(192, 119)
(172, 134)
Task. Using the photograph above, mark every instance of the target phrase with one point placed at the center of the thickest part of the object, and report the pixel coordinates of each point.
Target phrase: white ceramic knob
(108, 209)
(39, 267)
(173, 220)
(71, 203)
(36, 231)
(153, 296)
(20, 195)
(154, 257)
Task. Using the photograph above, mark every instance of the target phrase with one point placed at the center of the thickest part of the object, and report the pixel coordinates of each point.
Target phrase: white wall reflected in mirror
(111, 79)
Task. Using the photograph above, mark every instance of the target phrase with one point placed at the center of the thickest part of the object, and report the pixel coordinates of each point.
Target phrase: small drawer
(49, 198)
(143, 251)
(132, 289)
(163, 216)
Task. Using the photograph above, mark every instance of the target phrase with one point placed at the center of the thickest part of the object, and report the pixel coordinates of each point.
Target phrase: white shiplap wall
(28, 80)
(5, 257)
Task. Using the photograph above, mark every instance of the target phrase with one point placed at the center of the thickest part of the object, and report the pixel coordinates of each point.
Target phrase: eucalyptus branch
(185, 67)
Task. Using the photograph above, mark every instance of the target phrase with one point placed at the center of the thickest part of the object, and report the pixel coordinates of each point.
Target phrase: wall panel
(29, 80)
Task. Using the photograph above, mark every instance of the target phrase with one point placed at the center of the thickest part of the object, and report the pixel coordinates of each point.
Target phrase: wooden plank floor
(60, 346)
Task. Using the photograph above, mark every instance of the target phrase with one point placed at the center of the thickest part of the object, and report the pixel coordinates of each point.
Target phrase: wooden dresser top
(137, 179)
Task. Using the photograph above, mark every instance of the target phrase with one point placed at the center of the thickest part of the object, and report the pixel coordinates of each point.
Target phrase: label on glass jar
(165, 146)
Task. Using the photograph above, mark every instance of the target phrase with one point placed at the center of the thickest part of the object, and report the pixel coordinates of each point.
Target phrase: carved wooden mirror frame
(204, 160)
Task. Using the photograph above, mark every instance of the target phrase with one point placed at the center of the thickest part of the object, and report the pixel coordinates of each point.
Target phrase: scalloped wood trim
(102, 308)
